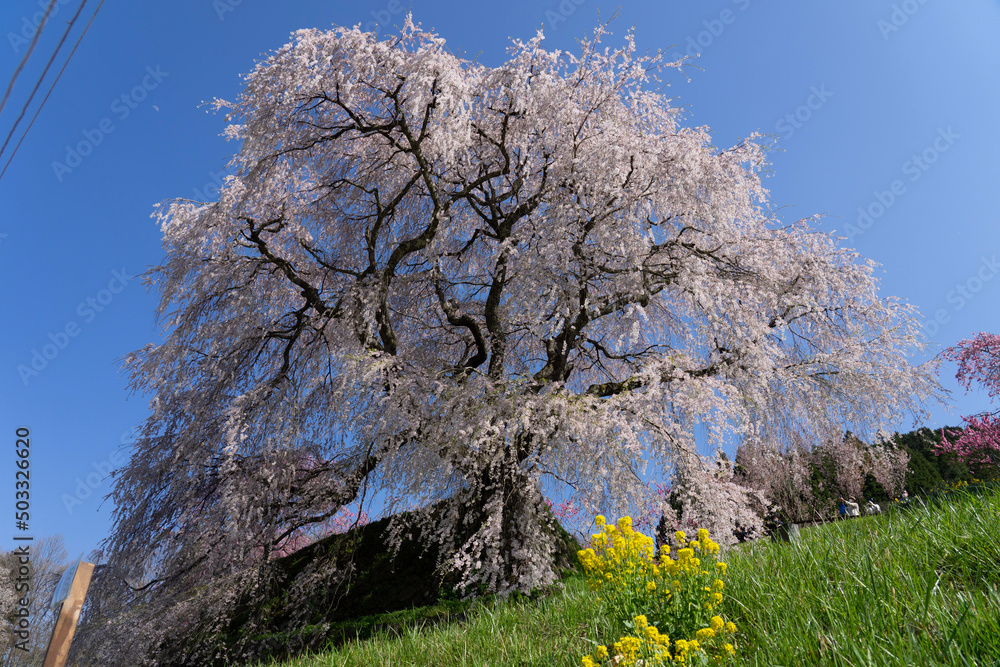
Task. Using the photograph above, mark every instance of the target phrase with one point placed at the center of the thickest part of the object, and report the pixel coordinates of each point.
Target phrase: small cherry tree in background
(804, 482)
(346, 519)
(978, 445)
(440, 281)
(712, 497)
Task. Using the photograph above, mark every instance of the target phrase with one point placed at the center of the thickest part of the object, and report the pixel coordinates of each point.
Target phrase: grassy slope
(919, 586)
(366, 588)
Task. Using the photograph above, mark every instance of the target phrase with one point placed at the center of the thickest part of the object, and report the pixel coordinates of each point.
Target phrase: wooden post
(69, 615)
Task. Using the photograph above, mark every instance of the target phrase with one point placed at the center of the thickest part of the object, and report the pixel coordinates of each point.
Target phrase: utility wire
(49, 92)
(31, 47)
(45, 71)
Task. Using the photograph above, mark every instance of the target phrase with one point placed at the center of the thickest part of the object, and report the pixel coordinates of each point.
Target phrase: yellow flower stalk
(655, 597)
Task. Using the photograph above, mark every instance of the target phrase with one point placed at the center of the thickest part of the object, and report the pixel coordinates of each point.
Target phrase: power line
(49, 92)
(45, 71)
(31, 47)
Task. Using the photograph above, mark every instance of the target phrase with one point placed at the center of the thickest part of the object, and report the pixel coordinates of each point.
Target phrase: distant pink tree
(571, 516)
(978, 362)
(343, 521)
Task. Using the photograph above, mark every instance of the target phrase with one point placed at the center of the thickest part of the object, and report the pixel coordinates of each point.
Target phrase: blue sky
(884, 116)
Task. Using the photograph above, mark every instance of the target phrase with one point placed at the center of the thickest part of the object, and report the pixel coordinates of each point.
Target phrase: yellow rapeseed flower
(730, 627)
(624, 566)
(587, 661)
(729, 648)
(628, 647)
(705, 634)
(680, 537)
(722, 568)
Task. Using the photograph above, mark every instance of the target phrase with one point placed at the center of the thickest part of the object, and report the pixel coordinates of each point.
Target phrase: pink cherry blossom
(978, 360)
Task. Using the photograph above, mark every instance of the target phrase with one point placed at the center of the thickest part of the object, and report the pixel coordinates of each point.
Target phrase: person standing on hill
(852, 507)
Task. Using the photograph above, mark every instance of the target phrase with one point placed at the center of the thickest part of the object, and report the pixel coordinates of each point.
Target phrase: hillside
(916, 586)
(349, 585)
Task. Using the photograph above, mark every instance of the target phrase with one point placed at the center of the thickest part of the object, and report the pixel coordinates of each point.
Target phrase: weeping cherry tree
(446, 284)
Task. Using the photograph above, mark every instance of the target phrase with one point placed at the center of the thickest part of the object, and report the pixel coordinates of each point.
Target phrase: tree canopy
(434, 280)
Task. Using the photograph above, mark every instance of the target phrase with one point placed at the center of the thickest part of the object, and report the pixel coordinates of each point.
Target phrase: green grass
(519, 632)
(917, 586)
